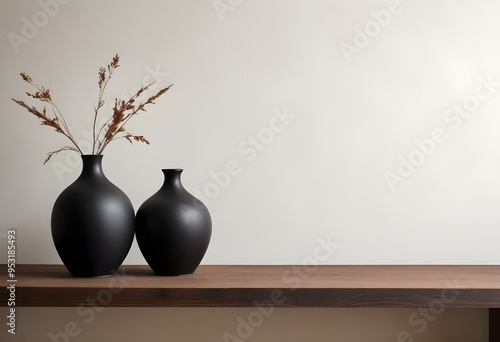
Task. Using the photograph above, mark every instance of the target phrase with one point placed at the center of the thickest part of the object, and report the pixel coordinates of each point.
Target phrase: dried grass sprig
(65, 148)
(131, 138)
(123, 111)
(103, 82)
(112, 129)
(51, 122)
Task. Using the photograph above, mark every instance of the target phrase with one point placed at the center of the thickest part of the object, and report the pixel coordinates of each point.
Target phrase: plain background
(238, 65)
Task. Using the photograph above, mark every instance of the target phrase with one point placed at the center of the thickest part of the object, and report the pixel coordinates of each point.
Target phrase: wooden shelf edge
(285, 298)
(247, 286)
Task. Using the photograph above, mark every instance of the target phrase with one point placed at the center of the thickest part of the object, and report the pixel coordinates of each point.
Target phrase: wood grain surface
(245, 286)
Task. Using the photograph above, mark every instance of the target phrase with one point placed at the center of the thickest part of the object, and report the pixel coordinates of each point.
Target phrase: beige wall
(210, 324)
(350, 117)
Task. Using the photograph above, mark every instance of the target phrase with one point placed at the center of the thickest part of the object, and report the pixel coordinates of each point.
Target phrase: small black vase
(173, 228)
(92, 223)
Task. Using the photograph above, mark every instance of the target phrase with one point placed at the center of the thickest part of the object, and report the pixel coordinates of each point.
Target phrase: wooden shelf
(279, 286)
(243, 286)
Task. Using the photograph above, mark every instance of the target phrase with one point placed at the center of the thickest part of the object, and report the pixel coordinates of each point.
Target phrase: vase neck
(172, 179)
(92, 164)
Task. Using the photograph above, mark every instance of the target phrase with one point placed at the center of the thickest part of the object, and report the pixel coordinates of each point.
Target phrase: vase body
(173, 228)
(92, 223)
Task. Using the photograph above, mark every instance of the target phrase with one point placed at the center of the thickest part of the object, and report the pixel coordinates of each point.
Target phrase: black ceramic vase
(92, 223)
(173, 228)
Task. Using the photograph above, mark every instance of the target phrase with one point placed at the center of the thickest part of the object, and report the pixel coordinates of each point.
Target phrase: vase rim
(175, 170)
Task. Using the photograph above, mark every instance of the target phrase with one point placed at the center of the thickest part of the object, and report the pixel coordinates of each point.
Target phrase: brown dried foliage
(113, 129)
(123, 111)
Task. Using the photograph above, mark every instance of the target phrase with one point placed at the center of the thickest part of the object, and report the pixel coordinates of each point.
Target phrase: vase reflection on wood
(173, 228)
(92, 223)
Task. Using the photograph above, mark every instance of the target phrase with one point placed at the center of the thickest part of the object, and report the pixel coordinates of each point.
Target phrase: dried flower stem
(113, 128)
(103, 82)
(43, 95)
(120, 117)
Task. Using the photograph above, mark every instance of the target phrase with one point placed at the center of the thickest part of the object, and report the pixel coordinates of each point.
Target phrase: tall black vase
(173, 228)
(92, 223)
